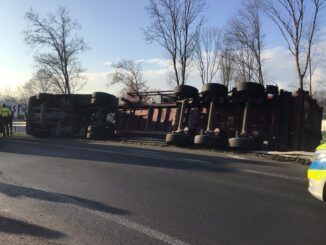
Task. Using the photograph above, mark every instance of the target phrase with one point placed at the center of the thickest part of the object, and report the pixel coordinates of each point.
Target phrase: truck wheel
(185, 92)
(210, 90)
(245, 144)
(211, 141)
(250, 88)
(178, 139)
(271, 89)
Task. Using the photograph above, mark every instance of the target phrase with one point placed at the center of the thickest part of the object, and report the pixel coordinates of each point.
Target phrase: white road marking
(282, 176)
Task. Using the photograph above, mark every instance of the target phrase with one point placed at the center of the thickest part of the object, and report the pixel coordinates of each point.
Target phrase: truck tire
(210, 90)
(178, 139)
(250, 88)
(271, 89)
(211, 141)
(185, 92)
(244, 144)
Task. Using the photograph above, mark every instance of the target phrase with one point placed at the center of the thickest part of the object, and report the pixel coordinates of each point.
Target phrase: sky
(113, 30)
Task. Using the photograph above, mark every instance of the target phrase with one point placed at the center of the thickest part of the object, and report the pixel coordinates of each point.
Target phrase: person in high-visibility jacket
(317, 174)
(11, 119)
(5, 114)
(2, 128)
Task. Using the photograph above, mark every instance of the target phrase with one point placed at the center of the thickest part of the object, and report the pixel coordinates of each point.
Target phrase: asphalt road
(75, 192)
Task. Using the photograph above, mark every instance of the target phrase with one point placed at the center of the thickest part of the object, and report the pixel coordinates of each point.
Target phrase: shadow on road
(17, 227)
(19, 191)
(103, 153)
(76, 149)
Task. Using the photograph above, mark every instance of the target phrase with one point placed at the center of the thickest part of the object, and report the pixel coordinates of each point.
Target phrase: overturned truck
(248, 117)
(77, 115)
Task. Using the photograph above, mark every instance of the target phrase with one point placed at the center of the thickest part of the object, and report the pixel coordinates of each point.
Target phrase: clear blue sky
(112, 28)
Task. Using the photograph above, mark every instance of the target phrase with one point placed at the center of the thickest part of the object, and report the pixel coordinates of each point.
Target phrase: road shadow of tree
(18, 227)
(20, 191)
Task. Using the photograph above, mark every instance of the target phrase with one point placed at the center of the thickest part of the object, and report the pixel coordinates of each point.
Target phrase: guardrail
(19, 126)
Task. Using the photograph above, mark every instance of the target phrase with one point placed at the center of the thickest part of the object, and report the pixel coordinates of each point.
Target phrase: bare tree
(315, 63)
(57, 48)
(175, 26)
(22, 96)
(25, 91)
(38, 84)
(246, 34)
(208, 54)
(41, 83)
(129, 74)
(244, 67)
(7, 93)
(320, 96)
(298, 23)
(227, 64)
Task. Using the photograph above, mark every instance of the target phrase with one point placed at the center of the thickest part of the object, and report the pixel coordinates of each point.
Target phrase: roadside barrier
(19, 126)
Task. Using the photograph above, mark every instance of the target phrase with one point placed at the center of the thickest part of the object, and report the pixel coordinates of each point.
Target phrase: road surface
(55, 191)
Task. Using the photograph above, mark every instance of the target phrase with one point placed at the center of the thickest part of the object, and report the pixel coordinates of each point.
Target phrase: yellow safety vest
(321, 147)
(5, 112)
